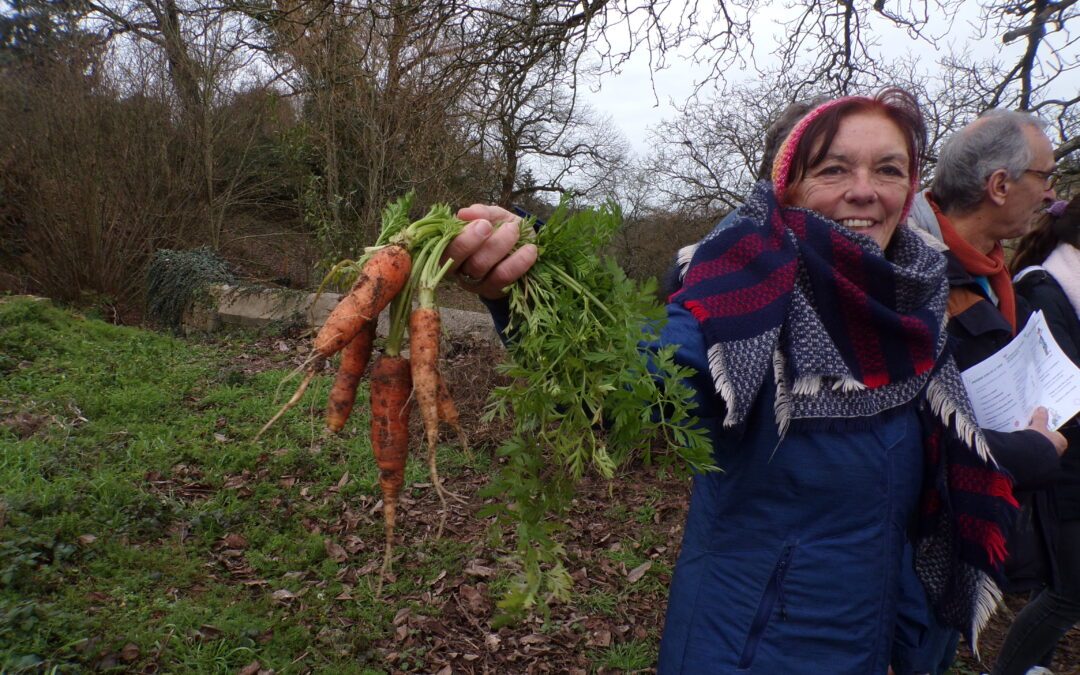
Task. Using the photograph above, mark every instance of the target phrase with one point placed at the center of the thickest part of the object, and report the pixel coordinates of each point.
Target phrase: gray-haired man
(993, 177)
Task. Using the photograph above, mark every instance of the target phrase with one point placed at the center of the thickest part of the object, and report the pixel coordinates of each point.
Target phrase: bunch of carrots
(403, 265)
(584, 395)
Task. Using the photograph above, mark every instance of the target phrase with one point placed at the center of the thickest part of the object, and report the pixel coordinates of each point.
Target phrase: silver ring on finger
(468, 280)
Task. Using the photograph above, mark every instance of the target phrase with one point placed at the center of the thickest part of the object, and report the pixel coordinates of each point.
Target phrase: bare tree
(539, 137)
(707, 157)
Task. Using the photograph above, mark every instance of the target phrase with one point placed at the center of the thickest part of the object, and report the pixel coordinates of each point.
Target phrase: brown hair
(1048, 232)
(893, 102)
(779, 130)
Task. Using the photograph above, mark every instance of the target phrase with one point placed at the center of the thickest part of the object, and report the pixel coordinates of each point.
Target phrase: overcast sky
(628, 98)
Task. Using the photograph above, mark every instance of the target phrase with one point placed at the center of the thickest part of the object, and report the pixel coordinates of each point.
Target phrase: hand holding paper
(1039, 422)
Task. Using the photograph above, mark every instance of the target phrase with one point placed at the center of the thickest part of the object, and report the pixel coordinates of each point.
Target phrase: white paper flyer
(1029, 372)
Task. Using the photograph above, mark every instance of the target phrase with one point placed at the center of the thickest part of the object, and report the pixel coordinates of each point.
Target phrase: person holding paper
(993, 177)
(1048, 275)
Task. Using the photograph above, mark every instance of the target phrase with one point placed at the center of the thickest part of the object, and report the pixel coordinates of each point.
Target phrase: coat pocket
(774, 593)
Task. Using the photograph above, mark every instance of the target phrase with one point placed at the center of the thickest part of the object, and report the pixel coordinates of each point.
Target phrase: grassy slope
(141, 529)
(115, 512)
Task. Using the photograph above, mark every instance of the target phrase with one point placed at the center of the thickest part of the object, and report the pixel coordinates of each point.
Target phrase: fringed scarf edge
(987, 601)
(951, 415)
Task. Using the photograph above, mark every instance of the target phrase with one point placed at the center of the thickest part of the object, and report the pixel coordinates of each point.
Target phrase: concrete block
(255, 307)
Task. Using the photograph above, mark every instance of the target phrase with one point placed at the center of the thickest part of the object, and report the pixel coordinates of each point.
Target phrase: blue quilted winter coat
(790, 561)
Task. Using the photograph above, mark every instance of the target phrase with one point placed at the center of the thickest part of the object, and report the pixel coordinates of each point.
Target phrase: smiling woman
(814, 324)
(854, 162)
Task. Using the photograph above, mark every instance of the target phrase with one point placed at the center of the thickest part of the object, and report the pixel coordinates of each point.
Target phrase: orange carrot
(424, 354)
(391, 402)
(354, 360)
(448, 413)
(383, 277)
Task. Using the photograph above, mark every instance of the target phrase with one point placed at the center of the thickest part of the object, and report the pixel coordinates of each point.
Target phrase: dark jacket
(1042, 292)
(977, 331)
(791, 559)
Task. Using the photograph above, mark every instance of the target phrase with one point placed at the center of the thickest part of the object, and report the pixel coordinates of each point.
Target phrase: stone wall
(224, 305)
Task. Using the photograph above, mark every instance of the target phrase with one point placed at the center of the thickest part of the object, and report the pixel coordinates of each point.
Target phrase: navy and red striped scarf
(848, 332)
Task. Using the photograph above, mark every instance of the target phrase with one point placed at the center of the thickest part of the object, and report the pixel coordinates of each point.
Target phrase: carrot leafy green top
(584, 394)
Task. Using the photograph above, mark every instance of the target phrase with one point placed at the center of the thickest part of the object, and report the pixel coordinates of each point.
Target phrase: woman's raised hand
(484, 257)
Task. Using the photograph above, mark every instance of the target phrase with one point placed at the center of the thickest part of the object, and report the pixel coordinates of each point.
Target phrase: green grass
(126, 466)
(113, 510)
(630, 656)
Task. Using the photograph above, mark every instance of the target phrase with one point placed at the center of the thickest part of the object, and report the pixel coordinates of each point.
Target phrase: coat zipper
(774, 592)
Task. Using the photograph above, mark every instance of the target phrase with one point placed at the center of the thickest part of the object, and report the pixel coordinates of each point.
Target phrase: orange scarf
(991, 266)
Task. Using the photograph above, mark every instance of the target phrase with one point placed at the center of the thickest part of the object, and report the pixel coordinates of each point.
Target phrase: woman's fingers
(506, 272)
(484, 257)
(495, 247)
(467, 243)
(488, 212)
(483, 221)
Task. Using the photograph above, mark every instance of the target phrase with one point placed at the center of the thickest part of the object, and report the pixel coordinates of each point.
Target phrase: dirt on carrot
(382, 278)
(354, 360)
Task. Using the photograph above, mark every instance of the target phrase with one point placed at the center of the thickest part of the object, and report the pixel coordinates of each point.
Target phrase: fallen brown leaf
(335, 551)
(130, 652)
(635, 574)
(475, 569)
(234, 541)
(283, 595)
(208, 632)
(600, 638)
(474, 599)
(250, 669)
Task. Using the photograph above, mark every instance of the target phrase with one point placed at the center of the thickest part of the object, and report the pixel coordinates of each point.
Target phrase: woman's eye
(890, 170)
(832, 170)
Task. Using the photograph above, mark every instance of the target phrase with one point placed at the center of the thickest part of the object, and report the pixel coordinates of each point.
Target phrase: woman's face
(863, 181)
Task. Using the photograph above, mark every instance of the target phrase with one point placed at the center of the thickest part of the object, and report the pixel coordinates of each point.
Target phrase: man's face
(1028, 195)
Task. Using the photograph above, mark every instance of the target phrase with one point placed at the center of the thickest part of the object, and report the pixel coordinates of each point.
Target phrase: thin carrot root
(288, 404)
(424, 335)
(440, 491)
(448, 413)
(388, 556)
(391, 402)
